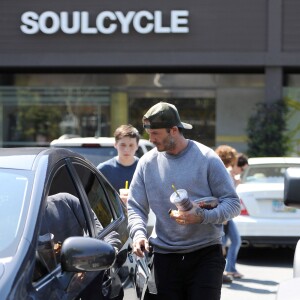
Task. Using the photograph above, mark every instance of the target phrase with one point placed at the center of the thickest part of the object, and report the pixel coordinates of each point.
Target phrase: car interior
(54, 232)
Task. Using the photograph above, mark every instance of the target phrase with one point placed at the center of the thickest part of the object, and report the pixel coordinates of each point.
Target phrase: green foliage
(293, 117)
(266, 130)
(34, 120)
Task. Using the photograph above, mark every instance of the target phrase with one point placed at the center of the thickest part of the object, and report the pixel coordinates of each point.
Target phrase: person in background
(187, 245)
(229, 156)
(73, 221)
(239, 167)
(119, 169)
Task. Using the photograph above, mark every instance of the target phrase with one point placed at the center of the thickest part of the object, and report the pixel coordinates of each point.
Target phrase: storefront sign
(106, 22)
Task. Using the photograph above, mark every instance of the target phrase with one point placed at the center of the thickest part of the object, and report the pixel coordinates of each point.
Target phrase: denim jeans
(190, 276)
(234, 247)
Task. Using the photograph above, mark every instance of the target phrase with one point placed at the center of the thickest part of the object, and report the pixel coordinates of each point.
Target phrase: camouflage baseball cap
(164, 115)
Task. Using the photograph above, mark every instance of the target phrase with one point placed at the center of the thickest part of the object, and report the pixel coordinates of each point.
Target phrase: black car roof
(25, 158)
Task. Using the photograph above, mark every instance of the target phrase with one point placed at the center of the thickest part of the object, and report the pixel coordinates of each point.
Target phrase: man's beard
(168, 144)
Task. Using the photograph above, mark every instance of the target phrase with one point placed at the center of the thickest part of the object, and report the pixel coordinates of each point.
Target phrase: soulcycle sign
(106, 22)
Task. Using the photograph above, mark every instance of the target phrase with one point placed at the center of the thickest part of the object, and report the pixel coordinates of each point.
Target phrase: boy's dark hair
(242, 160)
(126, 130)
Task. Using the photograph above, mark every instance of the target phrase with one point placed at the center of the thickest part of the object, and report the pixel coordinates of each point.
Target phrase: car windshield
(95, 154)
(266, 173)
(13, 190)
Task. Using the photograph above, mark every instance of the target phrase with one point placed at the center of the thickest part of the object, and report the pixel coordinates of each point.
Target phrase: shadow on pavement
(239, 286)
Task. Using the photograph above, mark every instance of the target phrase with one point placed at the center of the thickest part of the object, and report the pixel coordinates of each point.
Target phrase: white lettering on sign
(107, 22)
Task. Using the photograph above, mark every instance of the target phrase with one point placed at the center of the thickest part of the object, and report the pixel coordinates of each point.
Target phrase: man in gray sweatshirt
(188, 259)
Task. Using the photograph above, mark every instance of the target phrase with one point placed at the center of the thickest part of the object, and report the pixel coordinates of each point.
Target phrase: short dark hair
(242, 160)
(126, 130)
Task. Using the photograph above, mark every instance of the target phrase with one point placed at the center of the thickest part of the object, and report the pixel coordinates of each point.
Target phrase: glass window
(200, 112)
(113, 196)
(291, 93)
(97, 195)
(46, 257)
(37, 115)
(62, 182)
(265, 173)
(149, 147)
(37, 108)
(95, 154)
(14, 196)
(140, 152)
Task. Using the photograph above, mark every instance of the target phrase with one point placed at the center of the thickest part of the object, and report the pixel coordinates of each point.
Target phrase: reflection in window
(95, 154)
(13, 189)
(96, 195)
(200, 112)
(46, 260)
(114, 198)
(37, 115)
(265, 174)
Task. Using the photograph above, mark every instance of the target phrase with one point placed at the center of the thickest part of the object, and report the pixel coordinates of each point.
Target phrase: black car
(40, 256)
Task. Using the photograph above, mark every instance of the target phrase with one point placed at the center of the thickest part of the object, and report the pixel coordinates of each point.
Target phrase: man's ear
(174, 130)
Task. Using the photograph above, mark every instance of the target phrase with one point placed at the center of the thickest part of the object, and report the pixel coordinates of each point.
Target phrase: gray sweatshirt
(200, 171)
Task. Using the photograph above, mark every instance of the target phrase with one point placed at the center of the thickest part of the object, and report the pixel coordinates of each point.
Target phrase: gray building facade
(84, 67)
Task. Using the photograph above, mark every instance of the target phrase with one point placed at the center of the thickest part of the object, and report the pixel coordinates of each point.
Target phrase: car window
(63, 217)
(13, 208)
(113, 196)
(45, 257)
(148, 147)
(97, 196)
(265, 173)
(96, 155)
(139, 152)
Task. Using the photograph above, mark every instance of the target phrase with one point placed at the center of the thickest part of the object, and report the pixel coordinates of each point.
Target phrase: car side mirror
(292, 187)
(80, 254)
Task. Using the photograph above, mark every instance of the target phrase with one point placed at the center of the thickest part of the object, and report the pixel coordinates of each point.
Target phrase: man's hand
(192, 216)
(140, 246)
